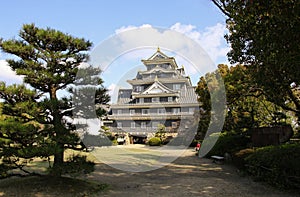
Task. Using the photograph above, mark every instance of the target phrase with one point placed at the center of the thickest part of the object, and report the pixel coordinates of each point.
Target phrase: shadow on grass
(50, 186)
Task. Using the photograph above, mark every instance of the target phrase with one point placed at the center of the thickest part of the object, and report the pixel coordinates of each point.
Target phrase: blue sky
(98, 20)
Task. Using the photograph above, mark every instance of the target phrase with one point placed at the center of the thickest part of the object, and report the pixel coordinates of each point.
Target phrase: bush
(167, 140)
(229, 144)
(155, 141)
(240, 156)
(96, 140)
(114, 142)
(276, 165)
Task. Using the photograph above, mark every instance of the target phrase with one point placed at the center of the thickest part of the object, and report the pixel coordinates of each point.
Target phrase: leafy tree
(161, 132)
(212, 99)
(246, 106)
(50, 62)
(263, 35)
(205, 110)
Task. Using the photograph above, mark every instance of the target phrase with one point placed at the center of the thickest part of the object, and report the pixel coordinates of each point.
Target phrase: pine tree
(50, 61)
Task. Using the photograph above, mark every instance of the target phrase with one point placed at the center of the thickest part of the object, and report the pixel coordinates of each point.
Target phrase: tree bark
(58, 130)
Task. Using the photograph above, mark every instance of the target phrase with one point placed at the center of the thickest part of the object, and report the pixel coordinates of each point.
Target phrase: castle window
(155, 99)
(119, 125)
(155, 124)
(191, 110)
(132, 124)
(131, 111)
(145, 111)
(176, 110)
(139, 88)
(161, 111)
(170, 99)
(176, 86)
(143, 125)
(119, 111)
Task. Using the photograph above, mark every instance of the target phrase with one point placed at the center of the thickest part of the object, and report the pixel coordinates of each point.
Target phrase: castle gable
(157, 88)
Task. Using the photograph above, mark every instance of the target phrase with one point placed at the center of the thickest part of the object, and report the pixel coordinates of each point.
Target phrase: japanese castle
(161, 94)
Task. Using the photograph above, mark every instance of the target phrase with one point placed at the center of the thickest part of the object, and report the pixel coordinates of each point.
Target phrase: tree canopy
(35, 120)
(246, 106)
(264, 36)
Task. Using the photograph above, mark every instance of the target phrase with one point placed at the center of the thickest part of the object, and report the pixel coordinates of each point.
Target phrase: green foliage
(96, 140)
(114, 142)
(75, 165)
(212, 100)
(263, 36)
(109, 135)
(155, 141)
(195, 142)
(227, 143)
(277, 165)
(205, 112)
(161, 132)
(247, 106)
(34, 123)
(105, 128)
(240, 156)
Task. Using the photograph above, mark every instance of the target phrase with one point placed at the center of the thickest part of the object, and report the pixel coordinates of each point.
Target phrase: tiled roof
(124, 96)
(188, 96)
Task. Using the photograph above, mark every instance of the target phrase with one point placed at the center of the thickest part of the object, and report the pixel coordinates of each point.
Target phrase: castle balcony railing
(151, 116)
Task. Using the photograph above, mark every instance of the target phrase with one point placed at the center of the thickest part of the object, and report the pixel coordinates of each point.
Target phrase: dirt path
(186, 176)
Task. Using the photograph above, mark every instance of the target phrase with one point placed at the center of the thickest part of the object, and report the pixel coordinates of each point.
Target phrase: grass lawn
(50, 186)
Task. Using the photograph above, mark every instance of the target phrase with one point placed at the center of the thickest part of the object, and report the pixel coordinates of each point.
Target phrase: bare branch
(221, 5)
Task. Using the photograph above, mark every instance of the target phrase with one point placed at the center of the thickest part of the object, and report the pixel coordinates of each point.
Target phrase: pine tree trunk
(59, 150)
(58, 161)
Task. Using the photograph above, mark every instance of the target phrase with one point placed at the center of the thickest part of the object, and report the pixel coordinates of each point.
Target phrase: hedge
(155, 141)
(229, 144)
(276, 165)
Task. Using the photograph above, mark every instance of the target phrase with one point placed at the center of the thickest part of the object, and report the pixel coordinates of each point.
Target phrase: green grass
(50, 186)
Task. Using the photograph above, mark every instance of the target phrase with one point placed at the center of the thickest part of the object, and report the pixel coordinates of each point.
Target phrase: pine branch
(221, 5)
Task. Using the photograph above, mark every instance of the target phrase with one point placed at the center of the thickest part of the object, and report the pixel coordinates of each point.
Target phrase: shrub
(155, 141)
(167, 140)
(96, 140)
(276, 165)
(229, 144)
(114, 142)
(240, 156)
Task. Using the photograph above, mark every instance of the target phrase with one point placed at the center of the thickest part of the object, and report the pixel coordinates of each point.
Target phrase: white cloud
(130, 27)
(113, 92)
(211, 39)
(198, 50)
(125, 28)
(111, 89)
(8, 75)
(133, 38)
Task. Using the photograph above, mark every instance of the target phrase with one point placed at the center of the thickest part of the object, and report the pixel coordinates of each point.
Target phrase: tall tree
(212, 99)
(246, 106)
(49, 60)
(264, 35)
